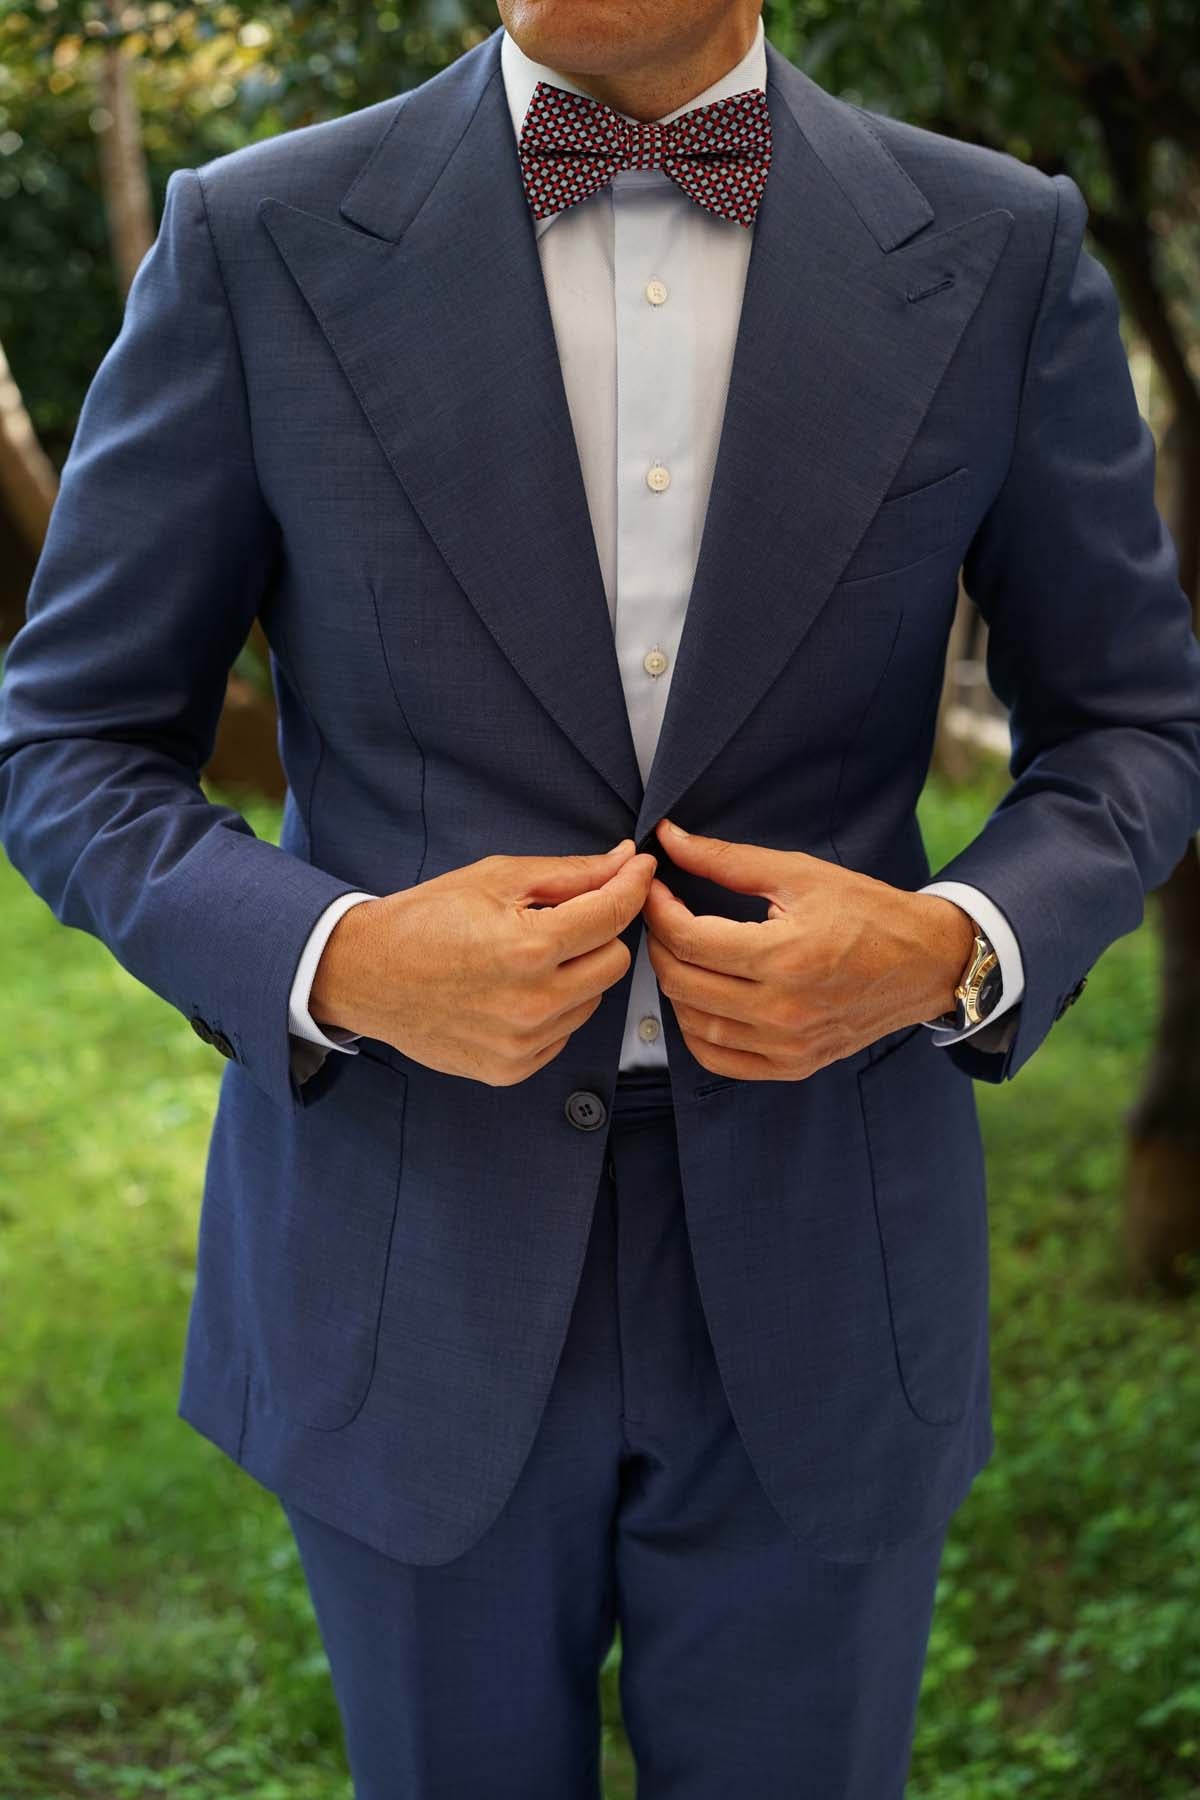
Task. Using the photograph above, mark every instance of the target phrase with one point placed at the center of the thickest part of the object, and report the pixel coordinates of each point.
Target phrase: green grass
(155, 1633)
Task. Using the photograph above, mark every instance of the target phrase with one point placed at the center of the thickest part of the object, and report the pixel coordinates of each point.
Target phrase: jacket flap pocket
(909, 526)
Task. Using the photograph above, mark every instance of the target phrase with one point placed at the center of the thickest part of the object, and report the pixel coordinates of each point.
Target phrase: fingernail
(618, 846)
(677, 829)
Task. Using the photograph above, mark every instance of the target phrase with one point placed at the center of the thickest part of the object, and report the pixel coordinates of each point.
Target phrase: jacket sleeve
(159, 547)
(1092, 649)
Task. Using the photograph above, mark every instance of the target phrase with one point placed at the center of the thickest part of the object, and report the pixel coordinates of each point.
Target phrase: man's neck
(665, 85)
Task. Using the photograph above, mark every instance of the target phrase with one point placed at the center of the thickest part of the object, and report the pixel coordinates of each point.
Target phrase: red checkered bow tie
(571, 145)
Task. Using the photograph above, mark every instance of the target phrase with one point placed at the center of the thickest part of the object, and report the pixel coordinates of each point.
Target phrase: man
(594, 1227)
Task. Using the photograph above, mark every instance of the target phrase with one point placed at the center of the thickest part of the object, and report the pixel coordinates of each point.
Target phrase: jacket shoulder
(309, 166)
(960, 178)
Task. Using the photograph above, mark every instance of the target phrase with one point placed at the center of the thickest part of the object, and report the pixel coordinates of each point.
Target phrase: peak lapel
(437, 312)
(834, 368)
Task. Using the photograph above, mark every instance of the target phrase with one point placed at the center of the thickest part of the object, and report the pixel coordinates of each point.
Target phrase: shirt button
(648, 1028)
(658, 478)
(655, 661)
(656, 291)
(586, 1110)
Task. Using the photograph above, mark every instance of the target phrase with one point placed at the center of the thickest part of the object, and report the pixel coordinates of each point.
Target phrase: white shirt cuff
(994, 1032)
(300, 1021)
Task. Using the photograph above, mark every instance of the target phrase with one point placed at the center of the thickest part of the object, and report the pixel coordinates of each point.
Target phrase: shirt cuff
(994, 1032)
(300, 1021)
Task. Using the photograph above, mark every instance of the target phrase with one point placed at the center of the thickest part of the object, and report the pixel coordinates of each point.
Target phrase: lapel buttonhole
(936, 288)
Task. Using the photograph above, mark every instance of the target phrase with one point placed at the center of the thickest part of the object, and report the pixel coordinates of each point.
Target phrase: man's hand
(840, 960)
(485, 971)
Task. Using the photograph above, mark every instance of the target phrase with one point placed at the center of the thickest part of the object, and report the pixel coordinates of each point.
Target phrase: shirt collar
(521, 75)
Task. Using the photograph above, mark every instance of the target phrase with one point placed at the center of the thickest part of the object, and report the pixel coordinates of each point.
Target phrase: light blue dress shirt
(645, 291)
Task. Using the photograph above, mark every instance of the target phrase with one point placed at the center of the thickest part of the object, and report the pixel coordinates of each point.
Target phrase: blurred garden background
(155, 1634)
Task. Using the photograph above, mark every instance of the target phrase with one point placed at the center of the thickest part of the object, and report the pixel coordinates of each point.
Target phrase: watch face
(989, 992)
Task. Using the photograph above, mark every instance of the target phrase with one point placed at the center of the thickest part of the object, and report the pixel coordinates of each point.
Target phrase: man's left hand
(840, 960)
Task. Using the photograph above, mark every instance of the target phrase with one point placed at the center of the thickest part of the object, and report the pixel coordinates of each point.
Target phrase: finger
(554, 878)
(549, 1053)
(593, 972)
(732, 946)
(745, 868)
(588, 920)
(729, 996)
(568, 1020)
(742, 1065)
(728, 1032)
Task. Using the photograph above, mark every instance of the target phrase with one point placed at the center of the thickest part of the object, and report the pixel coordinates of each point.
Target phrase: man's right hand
(485, 971)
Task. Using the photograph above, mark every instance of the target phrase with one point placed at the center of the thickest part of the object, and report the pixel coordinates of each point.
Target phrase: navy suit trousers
(750, 1666)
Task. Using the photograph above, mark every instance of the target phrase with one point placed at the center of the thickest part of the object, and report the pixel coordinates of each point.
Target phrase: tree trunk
(245, 754)
(951, 756)
(1162, 1205)
(123, 177)
(28, 485)
(1161, 1229)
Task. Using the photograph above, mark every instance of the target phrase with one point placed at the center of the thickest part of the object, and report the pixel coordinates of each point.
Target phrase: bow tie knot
(648, 144)
(571, 145)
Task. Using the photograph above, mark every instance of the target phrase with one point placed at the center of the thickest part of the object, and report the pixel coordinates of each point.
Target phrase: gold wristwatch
(979, 985)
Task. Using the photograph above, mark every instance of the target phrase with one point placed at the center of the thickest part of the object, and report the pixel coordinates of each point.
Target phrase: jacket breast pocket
(909, 527)
(928, 1176)
(322, 1238)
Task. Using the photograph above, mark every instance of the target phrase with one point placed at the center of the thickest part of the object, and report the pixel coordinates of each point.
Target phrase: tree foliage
(1107, 91)
(209, 78)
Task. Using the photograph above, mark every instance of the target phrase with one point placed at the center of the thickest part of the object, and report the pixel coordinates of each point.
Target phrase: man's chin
(553, 32)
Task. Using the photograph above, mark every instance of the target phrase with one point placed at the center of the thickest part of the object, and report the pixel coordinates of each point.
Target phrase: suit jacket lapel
(850, 313)
(432, 299)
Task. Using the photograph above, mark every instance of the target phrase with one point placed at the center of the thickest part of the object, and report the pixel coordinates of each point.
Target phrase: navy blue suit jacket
(335, 402)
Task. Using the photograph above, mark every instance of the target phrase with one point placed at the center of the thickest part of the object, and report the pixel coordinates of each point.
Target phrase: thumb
(744, 868)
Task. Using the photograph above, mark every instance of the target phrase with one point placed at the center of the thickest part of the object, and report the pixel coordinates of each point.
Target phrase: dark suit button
(201, 1027)
(586, 1110)
(1071, 998)
(221, 1042)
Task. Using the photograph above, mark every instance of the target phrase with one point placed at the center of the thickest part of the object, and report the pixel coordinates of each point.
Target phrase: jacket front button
(586, 1110)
